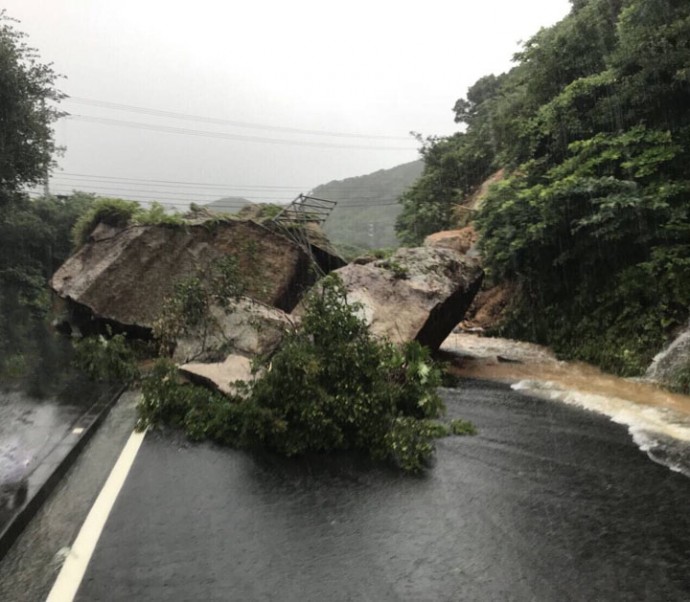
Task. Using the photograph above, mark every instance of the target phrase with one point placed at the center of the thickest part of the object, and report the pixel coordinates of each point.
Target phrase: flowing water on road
(658, 421)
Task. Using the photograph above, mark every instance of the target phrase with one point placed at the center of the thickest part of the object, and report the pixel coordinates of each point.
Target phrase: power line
(223, 135)
(226, 186)
(118, 187)
(143, 187)
(353, 205)
(243, 124)
(145, 195)
(176, 182)
(164, 197)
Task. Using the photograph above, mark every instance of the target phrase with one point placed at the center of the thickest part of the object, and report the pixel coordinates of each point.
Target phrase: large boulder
(222, 376)
(668, 365)
(248, 328)
(416, 294)
(123, 276)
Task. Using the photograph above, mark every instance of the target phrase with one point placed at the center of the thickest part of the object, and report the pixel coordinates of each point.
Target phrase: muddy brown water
(658, 421)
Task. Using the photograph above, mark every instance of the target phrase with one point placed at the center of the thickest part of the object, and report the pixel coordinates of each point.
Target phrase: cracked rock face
(416, 294)
(250, 329)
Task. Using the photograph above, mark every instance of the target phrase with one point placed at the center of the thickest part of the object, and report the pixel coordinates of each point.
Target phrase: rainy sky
(183, 101)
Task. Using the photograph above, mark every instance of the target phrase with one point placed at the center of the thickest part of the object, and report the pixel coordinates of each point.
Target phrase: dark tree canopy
(28, 100)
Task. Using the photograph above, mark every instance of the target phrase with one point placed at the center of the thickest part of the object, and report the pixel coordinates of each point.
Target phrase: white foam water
(664, 435)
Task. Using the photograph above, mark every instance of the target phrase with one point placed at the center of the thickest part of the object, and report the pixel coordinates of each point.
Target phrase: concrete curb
(53, 467)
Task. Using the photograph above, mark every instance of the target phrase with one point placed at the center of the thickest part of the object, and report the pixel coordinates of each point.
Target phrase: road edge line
(72, 572)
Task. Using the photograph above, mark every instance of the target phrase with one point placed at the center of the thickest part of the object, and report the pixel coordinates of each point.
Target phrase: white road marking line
(72, 572)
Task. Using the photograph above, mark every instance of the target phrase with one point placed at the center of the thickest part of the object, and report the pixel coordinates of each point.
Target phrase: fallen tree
(331, 385)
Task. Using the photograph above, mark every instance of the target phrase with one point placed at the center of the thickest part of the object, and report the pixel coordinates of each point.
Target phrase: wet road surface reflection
(30, 429)
(548, 502)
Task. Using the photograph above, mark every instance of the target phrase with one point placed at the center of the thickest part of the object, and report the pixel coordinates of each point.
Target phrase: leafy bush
(462, 427)
(14, 366)
(156, 215)
(106, 359)
(330, 386)
(113, 212)
(189, 307)
(119, 213)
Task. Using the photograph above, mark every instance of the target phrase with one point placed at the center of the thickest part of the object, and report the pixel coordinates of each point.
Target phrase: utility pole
(46, 181)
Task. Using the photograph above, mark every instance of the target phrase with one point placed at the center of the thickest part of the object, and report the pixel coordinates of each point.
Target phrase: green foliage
(112, 212)
(34, 241)
(453, 166)
(188, 309)
(32, 233)
(382, 253)
(108, 359)
(399, 271)
(167, 400)
(14, 366)
(462, 427)
(268, 211)
(156, 215)
(27, 112)
(436, 429)
(330, 386)
(120, 213)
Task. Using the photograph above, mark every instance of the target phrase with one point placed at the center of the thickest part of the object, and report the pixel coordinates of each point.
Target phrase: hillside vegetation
(591, 222)
(367, 206)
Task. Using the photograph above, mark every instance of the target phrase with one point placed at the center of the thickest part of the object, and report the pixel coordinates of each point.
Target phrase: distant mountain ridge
(368, 206)
(228, 204)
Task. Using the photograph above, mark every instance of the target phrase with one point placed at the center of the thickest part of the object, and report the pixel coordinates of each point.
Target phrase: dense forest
(592, 126)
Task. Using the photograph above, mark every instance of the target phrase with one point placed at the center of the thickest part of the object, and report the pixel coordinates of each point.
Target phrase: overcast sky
(274, 82)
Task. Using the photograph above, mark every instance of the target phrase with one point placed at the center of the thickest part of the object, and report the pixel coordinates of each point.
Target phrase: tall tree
(34, 235)
(28, 98)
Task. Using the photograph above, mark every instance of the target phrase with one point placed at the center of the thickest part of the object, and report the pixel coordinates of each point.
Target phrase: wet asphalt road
(548, 502)
(33, 431)
(30, 567)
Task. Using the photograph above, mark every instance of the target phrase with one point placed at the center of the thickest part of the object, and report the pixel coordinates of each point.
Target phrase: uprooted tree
(330, 386)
